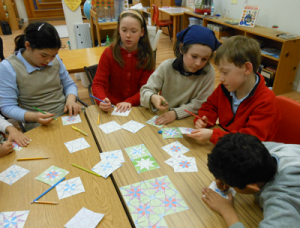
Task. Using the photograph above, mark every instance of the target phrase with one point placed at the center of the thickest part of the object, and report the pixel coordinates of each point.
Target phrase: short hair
(239, 159)
(239, 50)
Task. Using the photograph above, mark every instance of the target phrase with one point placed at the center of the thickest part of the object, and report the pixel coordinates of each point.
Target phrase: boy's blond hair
(239, 50)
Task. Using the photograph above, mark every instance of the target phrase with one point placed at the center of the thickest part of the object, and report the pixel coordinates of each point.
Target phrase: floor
(164, 51)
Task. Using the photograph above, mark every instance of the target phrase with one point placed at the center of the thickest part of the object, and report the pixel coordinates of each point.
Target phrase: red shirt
(119, 84)
(257, 115)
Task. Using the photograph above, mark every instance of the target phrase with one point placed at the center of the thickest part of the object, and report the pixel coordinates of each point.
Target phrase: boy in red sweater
(242, 102)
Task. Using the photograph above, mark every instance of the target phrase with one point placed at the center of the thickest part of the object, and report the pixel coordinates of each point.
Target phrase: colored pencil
(197, 116)
(99, 100)
(42, 112)
(45, 202)
(82, 132)
(98, 119)
(86, 170)
(48, 189)
(163, 102)
(37, 158)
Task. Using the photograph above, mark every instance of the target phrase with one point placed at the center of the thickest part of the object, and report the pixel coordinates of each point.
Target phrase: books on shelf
(269, 74)
(271, 51)
(249, 16)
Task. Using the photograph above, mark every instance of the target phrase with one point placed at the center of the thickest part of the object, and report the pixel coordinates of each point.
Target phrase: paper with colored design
(13, 174)
(76, 145)
(141, 158)
(17, 147)
(187, 164)
(69, 188)
(186, 130)
(171, 133)
(171, 161)
(13, 219)
(118, 113)
(52, 175)
(152, 122)
(214, 187)
(149, 201)
(116, 156)
(133, 126)
(110, 127)
(175, 148)
(71, 119)
(106, 166)
(85, 219)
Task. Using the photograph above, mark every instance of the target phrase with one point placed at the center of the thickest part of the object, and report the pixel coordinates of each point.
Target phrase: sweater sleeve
(195, 103)
(101, 80)
(4, 124)
(259, 122)
(135, 99)
(237, 225)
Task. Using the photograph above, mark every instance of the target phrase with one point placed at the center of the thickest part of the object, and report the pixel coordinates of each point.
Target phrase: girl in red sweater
(126, 65)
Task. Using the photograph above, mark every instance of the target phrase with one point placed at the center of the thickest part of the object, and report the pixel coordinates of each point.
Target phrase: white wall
(284, 13)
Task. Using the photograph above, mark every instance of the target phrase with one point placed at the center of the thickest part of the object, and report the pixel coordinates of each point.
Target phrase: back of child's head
(240, 159)
(239, 50)
(195, 34)
(40, 35)
(145, 54)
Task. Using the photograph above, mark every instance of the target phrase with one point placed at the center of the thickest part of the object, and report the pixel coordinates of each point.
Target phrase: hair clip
(40, 27)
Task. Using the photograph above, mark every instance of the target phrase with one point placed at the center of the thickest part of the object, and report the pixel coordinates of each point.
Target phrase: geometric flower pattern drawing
(76, 145)
(13, 174)
(115, 155)
(171, 161)
(152, 122)
(133, 126)
(13, 219)
(69, 188)
(110, 127)
(186, 130)
(141, 158)
(149, 201)
(66, 120)
(175, 148)
(172, 132)
(118, 113)
(187, 164)
(214, 187)
(52, 175)
(85, 219)
(17, 147)
(106, 166)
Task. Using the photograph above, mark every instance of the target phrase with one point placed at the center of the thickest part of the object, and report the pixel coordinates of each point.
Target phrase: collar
(124, 51)
(178, 65)
(240, 100)
(29, 68)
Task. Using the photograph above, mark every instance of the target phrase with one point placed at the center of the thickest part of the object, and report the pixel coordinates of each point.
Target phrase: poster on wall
(73, 4)
(249, 15)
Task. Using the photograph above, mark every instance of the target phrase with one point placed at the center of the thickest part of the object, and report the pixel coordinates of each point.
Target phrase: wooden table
(100, 195)
(189, 185)
(176, 18)
(76, 60)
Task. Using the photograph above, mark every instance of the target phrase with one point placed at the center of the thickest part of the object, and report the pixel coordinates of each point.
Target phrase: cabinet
(289, 57)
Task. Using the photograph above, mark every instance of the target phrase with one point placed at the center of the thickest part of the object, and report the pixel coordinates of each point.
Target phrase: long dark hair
(40, 35)
(145, 53)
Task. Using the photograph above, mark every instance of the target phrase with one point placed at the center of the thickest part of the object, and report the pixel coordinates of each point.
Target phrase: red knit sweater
(119, 84)
(257, 115)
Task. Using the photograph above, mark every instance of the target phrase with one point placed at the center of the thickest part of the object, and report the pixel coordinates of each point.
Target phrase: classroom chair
(91, 72)
(161, 23)
(289, 125)
(94, 28)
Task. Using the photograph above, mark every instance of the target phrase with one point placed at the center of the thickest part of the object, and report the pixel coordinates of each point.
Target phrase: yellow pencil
(45, 202)
(98, 119)
(37, 158)
(86, 170)
(82, 132)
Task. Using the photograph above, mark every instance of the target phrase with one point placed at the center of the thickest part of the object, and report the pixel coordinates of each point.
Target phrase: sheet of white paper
(115, 156)
(14, 219)
(110, 127)
(175, 148)
(171, 161)
(133, 126)
(152, 120)
(186, 130)
(76, 145)
(13, 174)
(85, 218)
(214, 187)
(71, 119)
(105, 167)
(118, 113)
(69, 188)
(187, 164)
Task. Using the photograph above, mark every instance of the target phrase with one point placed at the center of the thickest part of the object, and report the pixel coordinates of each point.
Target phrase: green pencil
(87, 170)
(42, 111)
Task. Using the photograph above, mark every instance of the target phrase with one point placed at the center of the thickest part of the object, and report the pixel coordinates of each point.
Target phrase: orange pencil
(98, 119)
(197, 116)
(37, 158)
(45, 202)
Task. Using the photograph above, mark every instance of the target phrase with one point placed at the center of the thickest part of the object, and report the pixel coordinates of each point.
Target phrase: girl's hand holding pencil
(159, 102)
(201, 123)
(40, 117)
(106, 105)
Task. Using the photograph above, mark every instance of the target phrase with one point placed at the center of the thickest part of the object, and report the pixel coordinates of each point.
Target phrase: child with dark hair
(241, 102)
(36, 76)
(186, 81)
(268, 170)
(126, 65)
